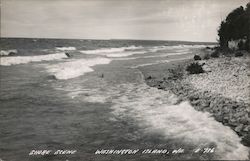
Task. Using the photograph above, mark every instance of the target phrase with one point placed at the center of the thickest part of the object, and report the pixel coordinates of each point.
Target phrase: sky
(186, 20)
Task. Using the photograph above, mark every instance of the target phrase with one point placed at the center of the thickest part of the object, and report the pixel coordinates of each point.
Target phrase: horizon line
(107, 39)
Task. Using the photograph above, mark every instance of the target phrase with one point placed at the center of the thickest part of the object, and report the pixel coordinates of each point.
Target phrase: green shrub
(206, 56)
(238, 54)
(176, 73)
(236, 26)
(248, 43)
(215, 54)
(197, 57)
(241, 45)
(194, 68)
(149, 77)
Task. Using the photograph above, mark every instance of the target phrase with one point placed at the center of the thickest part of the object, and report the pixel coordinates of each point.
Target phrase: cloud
(193, 20)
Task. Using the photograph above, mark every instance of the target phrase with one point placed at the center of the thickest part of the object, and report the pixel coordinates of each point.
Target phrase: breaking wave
(7, 61)
(110, 50)
(8, 52)
(124, 54)
(156, 112)
(75, 68)
(178, 47)
(119, 53)
(66, 48)
(155, 109)
(165, 55)
(132, 50)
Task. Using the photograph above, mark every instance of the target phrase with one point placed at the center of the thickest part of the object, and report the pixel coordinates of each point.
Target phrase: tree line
(236, 26)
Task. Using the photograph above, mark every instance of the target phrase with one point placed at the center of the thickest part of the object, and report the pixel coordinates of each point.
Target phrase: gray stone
(195, 102)
(205, 103)
(202, 62)
(239, 128)
(246, 128)
(206, 68)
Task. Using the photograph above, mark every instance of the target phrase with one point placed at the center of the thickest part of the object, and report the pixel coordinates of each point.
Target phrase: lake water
(97, 99)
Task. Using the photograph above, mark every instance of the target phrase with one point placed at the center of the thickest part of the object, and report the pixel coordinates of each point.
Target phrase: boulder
(205, 103)
(206, 68)
(238, 54)
(52, 77)
(219, 118)
(247, 128)
(68, 55)
(215, 54)
(206, 56)
(239, 128)
(160, 87)
(195, 102)
(246, 140)
(202, 62)
(232, 122)
(197, 57)
(149, 77)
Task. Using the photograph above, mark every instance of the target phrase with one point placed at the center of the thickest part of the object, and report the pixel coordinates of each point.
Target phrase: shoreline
(172, 76)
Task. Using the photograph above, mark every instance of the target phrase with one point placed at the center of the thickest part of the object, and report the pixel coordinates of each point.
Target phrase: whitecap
(124, 54)
(7, 52)
(7, 61)
(178, 47)
(75, 68)
(66, 48)
(110, 50)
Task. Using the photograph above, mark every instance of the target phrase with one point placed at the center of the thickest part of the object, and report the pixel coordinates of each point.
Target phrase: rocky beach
(221, 90)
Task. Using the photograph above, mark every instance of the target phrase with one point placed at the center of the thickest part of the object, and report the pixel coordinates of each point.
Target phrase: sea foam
(133, 50)
(118, 53)
(178, 47)
(155, 109)
(66, 48)
(110, 50)
(7, 61)
(75, 68)
(7, 52)
(156, 112)
(124, 54)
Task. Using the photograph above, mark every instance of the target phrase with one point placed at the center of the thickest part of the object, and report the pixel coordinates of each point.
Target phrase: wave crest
(66, 48)
(75, 68)
(7, 61)
(110, 50)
